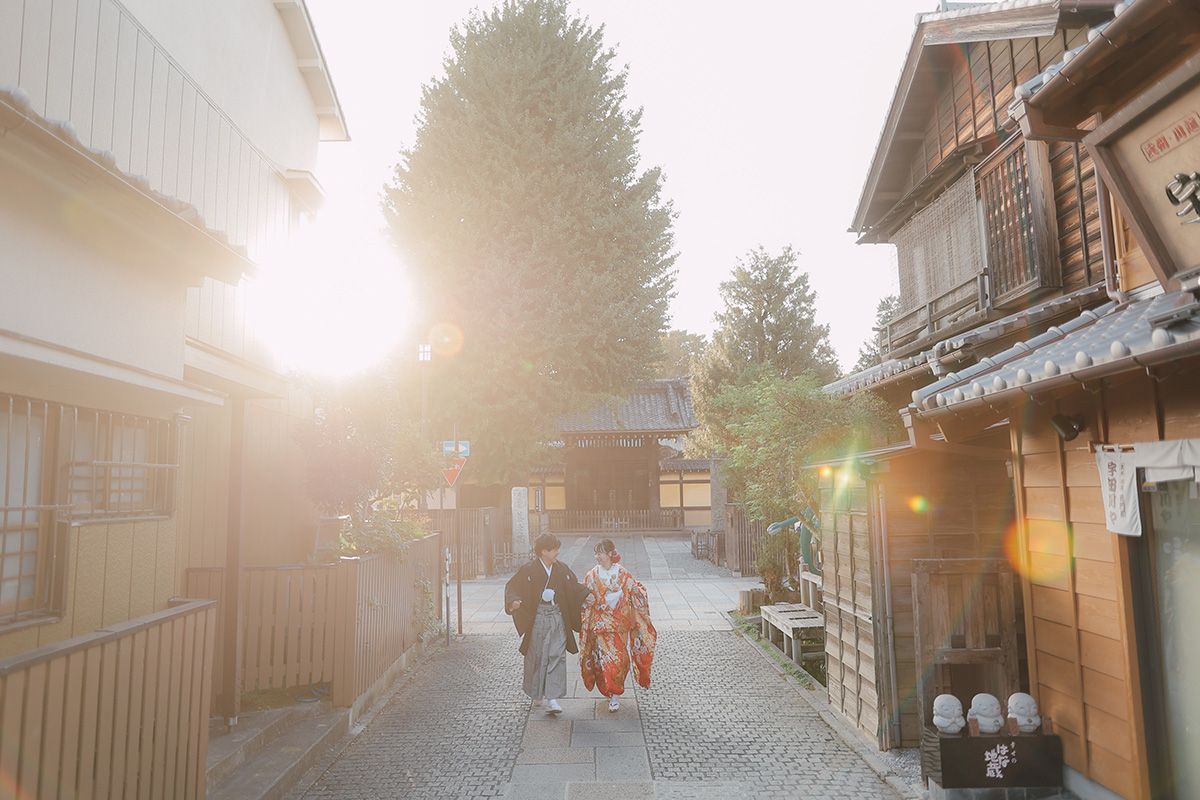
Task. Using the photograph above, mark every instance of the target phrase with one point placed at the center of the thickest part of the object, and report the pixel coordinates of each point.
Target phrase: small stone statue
(1023, 708)
(985, 709)
(948, 715)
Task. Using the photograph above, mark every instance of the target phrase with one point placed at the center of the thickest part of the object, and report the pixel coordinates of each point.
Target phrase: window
(30, 550)
(120, 466)
(61, 465)
(1018, 263)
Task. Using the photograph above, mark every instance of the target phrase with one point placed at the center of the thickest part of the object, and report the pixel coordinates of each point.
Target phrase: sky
(763, 115)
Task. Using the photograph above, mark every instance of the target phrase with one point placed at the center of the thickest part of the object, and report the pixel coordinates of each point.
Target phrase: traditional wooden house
(622, 467)
(143, 428)
(1105, 416)
(997, 238)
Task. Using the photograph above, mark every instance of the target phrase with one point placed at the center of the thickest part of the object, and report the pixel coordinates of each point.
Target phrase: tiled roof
(1108, 340)
(929, 360)
(662, 405)
(17, 99)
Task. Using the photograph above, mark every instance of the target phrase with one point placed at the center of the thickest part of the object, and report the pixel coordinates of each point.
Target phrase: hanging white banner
(1163, 461)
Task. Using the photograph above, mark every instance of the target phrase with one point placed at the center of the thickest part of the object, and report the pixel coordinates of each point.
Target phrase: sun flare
(332, 301)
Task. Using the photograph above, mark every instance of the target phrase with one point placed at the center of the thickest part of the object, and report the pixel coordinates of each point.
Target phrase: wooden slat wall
(120, 712)
(280, 520)
(377, 596)
(1078, 216)
(115, 572)
(850, 636)
(1083, 656)
(973, 93)
(967, 510)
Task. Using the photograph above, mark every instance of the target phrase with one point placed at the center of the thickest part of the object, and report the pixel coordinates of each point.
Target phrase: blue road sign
(464, 448)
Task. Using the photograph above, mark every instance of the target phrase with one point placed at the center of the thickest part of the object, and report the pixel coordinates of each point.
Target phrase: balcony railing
(119, 712)
(90, 63)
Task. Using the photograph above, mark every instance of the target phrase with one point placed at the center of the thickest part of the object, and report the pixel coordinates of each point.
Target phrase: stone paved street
(719, 721)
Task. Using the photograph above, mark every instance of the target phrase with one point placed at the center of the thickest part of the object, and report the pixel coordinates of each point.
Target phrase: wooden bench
(796, 629)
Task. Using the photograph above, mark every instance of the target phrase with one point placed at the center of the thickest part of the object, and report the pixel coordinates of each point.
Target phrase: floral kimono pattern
(615, 627)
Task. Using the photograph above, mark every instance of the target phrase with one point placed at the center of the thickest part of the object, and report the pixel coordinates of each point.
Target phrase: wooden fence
(119, 712)
(469, 535)
(345, 624)
(657, 519)
(742, 540)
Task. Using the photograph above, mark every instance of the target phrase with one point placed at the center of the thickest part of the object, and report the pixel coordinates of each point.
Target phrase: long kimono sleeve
(642, 635)
(588, 660)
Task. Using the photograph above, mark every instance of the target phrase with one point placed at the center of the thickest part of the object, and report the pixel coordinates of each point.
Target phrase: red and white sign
(452, 472)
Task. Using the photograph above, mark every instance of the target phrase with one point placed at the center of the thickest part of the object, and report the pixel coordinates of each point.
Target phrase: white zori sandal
(613, 703)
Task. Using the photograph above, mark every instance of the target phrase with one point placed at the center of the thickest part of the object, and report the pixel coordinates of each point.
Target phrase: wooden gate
(966, 630)
(741, 540)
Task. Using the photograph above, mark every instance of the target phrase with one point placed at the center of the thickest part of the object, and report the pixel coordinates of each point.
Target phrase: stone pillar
(520, 518)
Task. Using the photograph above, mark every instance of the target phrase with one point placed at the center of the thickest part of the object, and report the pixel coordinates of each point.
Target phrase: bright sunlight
(332, 301)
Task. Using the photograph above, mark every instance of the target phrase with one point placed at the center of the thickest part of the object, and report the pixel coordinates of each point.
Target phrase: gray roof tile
(1110, 339)
(662, 405)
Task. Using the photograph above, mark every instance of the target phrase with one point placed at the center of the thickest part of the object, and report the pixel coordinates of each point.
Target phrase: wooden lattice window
(1013, 194)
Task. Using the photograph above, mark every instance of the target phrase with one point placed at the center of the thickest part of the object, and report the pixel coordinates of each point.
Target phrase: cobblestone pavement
(719, 722)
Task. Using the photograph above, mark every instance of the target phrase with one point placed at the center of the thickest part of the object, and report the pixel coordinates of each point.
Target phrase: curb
(851, 737)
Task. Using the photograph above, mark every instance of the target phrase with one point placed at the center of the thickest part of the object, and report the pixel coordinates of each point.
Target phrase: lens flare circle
(918, 504)
(446, 338)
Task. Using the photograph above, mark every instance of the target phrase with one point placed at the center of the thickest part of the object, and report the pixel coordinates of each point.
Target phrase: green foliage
(680, 348)
(381, 532)
(363, 446)
(528, 227)
(769, 318)
(870, 354)
(768, 427)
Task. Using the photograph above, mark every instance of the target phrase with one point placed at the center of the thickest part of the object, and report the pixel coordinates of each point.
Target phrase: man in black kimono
(544, 599)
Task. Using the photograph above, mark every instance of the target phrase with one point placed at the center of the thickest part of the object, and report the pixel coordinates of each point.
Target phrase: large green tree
(533, 236)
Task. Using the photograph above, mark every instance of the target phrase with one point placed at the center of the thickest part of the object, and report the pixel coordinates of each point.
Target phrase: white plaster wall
(89, 299)
(239, 53)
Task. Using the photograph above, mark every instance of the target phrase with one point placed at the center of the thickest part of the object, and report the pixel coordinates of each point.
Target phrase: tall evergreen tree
(530, 229)
(870, 354)
(769, 319)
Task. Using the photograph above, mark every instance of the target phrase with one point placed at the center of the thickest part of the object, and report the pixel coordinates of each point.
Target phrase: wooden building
(881, 511)
(1105, 415)
(622, 466)
(998, 239)
(144, 430)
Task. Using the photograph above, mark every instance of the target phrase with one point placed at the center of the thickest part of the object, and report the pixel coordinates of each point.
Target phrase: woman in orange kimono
(616, 625)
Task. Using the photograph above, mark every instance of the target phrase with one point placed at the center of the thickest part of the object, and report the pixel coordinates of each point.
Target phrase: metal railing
(91, 63)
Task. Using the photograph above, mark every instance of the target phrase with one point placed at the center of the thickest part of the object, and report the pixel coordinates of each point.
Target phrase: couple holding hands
(609, 610)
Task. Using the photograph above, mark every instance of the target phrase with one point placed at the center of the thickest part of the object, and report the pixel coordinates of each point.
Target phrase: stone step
(263, 757)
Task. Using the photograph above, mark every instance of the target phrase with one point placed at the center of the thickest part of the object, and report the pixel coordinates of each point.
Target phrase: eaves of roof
(17, 117)
(1099, 343)
(662, 406)
(310, 61)
(986, 22)
(1064, 96)
(955, 348)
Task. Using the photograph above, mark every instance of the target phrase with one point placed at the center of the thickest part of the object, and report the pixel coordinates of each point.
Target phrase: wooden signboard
(1149, 155)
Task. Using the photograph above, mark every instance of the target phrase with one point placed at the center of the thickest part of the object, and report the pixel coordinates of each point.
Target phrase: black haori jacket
(527, 586)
